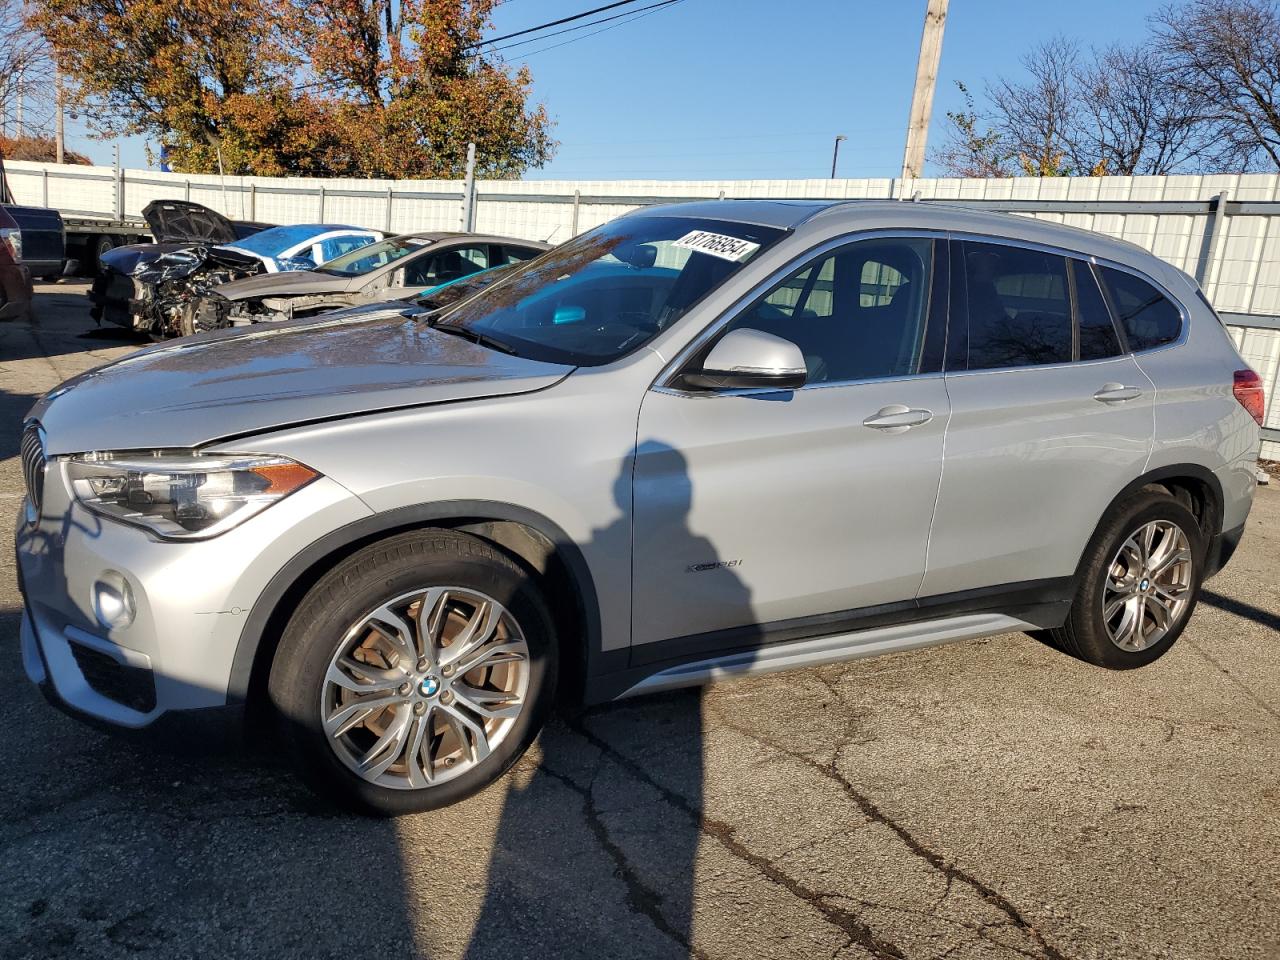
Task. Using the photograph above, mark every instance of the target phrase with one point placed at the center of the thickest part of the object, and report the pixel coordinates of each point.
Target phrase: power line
(582, 26)
(638, 15)
(556, 23)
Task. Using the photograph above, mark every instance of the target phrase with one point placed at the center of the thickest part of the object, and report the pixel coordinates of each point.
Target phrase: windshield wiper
(474, 336)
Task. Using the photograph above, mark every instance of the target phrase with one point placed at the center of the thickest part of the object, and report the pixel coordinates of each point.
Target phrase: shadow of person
(595, 854)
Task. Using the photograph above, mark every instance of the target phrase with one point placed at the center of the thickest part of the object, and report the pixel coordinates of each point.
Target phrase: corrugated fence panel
(1239, 264)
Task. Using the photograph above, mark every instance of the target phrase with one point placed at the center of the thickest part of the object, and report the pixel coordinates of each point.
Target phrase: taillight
(1248, 390)
(11, 238)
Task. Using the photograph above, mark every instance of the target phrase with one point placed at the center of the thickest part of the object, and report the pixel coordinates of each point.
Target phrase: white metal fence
(1224, 230)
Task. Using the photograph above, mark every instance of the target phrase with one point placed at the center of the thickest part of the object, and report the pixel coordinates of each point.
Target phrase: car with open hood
(701, 441)
(392, 269)
(174, 225)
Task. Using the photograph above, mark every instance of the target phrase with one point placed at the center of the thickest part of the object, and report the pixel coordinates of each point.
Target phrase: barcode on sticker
(717, 245)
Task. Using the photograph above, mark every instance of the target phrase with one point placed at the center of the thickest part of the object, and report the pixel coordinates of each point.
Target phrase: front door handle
(897, 418)
(1116, 393)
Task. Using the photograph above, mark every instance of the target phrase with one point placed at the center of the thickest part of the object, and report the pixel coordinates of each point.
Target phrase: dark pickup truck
(44, 239)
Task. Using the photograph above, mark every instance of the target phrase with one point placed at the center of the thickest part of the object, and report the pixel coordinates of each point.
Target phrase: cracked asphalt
(986, 799)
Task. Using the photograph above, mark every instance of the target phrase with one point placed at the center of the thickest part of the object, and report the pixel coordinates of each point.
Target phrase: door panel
(758, 507)
(1035, 453)
(753, 509)
(1032, 461)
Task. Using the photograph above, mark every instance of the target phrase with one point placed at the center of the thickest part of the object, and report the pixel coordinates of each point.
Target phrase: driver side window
(858, 313)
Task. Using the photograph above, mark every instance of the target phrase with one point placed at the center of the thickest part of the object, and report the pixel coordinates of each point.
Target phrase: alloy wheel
(1149, 585)
(425, 687)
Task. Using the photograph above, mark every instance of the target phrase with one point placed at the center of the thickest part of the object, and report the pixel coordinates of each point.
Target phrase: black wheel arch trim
(1195, 471)
(1212, 524)
(369, 529)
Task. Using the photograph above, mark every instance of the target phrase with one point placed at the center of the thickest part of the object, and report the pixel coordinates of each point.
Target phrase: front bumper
(192, 600)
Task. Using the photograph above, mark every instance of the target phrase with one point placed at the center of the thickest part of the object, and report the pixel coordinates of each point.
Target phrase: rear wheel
(415, 673)
(1139, 582)
(95, 248)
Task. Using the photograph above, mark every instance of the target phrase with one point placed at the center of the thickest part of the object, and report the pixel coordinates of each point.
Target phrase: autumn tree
(377, 88)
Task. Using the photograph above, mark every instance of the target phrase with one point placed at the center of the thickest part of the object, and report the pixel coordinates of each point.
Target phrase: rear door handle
(897, 418)
(1116, 393)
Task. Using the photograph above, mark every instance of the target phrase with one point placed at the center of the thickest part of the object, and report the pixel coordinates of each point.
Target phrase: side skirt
(823, 650)
(834, 637)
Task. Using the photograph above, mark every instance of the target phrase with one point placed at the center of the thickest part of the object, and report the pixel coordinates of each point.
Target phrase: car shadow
(587, 848)
(598, 841)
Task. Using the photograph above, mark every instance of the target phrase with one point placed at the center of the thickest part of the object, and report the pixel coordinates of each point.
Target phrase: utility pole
(22, 95)
(469, 191)
(935, 21)
(59, 132)
(835, 154)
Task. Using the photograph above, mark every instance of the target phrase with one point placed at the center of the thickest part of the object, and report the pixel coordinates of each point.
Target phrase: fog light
(113, 600)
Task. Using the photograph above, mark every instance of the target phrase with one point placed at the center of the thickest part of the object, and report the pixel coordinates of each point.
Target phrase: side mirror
(750, 359)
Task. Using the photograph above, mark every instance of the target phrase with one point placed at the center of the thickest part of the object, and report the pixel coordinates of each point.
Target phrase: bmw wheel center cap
(429, 686)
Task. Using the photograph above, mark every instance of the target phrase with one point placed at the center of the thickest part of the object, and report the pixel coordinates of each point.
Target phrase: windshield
(603, 294)
(268, 243)
(373, 256)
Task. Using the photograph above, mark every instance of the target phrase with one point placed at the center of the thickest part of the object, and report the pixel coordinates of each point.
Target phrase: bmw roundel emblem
(429, 686)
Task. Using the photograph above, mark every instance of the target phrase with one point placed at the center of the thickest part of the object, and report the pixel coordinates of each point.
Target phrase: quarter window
(1019, 307)
(337, 246)
(856, 314)
(1146, 315)
(1098, 338)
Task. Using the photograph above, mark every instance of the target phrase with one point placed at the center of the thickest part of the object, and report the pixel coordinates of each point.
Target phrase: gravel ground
(986, 799)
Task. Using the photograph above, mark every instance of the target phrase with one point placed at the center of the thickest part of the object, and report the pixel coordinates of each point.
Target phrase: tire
(337, 613)
(1112, 569)
(95, 248)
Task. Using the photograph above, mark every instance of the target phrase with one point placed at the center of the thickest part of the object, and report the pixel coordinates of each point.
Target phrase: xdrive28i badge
(712, 565)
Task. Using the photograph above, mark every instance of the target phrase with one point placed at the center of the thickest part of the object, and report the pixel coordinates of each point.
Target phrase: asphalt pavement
(993, 798)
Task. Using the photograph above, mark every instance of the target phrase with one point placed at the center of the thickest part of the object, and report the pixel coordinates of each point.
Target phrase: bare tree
(1082, 113)
(26, 75)
(1132, 119)
(1226, 53)
(1035, 117)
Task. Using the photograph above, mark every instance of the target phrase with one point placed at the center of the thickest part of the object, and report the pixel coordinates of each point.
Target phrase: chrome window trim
(1183, 313)
(662, 382)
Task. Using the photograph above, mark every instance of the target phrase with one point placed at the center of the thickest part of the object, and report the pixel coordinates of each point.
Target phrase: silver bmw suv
(701, 441)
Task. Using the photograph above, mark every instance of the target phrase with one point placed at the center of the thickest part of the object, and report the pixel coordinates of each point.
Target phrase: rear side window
(1147, 316)
(505, 255)
(1019, 307)
(1098, 339)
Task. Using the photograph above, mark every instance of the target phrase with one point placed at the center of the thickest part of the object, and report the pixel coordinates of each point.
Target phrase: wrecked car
(174, 225)
(394, 269)
(153, 290)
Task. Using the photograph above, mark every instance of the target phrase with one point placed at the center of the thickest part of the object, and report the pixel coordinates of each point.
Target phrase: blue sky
(754, 89)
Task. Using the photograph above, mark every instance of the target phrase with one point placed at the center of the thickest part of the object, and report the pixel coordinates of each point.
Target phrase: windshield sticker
(718, 245)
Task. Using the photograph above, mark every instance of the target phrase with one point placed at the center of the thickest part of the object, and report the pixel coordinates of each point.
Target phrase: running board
(833, 649)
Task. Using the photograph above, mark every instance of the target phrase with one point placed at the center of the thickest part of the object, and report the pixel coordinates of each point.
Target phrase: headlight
(184, 497)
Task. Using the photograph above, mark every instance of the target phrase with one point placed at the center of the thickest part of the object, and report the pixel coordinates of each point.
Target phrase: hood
(127, 258)
(293, 283)
(181, 220)
(232, 382)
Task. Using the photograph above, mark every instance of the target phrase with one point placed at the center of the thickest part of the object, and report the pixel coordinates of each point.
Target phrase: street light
(835, 154)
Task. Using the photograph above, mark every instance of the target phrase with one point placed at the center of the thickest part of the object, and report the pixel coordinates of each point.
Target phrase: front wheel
(1139, 582)
(415, 673)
